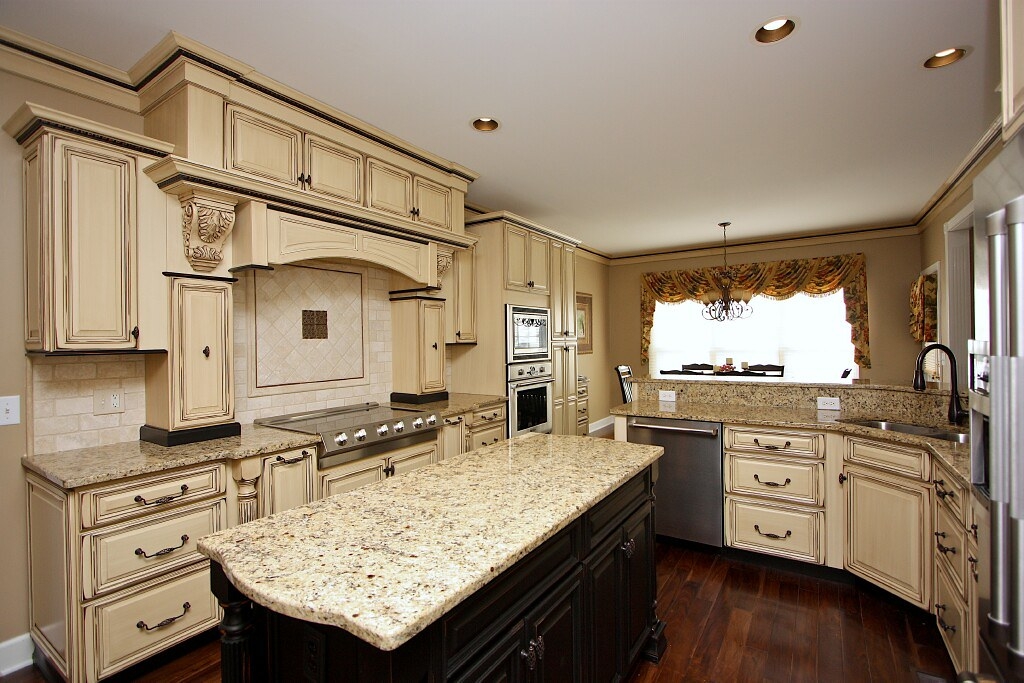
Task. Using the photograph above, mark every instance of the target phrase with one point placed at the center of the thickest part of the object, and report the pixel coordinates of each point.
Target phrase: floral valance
(773, 279)
(924, 308)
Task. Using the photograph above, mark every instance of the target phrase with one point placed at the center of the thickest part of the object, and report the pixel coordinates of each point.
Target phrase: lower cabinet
(268, 484)
(887, 524)
(359, 473)
(114, 574)
(485, 426)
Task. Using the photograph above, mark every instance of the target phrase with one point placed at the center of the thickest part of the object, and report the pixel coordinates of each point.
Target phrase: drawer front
(582, 391)
(950, 543)
(793, 480)
(952, 619)
(950, 493)
(790, 532)
(775, 441)
(909, 462)
(116, 557)
(127, 500)
(487, 415)
(485, 435)
(131, 626)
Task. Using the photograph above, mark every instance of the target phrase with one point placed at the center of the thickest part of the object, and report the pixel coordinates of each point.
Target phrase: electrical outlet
(828, 403)
(10, 410)
(664, 395)
(107, 402)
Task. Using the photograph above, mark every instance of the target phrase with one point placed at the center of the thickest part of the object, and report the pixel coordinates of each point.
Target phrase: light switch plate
(664, 395)
(10, 410)
(828, 403)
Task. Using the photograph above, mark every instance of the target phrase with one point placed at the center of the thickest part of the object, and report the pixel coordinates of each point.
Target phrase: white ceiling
(633, 125)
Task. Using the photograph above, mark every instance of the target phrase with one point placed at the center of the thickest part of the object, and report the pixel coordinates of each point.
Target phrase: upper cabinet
(563, 291)
(85, 198)
(397, 191)
(527, 255)
(1012, 28)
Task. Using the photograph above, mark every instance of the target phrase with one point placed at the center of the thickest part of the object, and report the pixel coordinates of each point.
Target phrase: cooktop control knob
(341, 439)
(432, 419)
(360, 435)
(399, 427)
(417, 423)
(382, 430)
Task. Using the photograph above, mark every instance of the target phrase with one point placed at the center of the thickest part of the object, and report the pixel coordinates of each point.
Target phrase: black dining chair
(625, 374)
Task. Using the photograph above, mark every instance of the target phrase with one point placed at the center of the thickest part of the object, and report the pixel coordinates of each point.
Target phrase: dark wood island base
(580, 607)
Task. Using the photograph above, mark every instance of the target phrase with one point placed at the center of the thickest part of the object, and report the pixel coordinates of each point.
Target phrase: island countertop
(385, 561)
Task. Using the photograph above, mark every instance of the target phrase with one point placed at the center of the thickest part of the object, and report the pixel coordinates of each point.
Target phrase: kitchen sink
(918, 430)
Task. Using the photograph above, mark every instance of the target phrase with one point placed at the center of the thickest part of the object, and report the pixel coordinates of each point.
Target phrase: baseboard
(15, 654)
(602, 424)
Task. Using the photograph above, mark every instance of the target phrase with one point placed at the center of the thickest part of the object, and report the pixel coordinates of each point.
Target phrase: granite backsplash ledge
(867, 400)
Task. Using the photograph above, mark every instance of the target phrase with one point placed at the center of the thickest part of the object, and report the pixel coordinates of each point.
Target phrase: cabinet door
(334, 170)
(286, 482)
(432, 367)
(433, 203)
(94, 247)
(389, 188)
(605, 606)
(517, 246)
(262, 146)
(887, 526)
(568, 301)
(503, 662)
(558, 321)
(453, 437)
(556, 633)
(350, 476)
(539, 264)
(638, 580)
(465, 298)
(569, 386)
(413, 458)
(202, 386)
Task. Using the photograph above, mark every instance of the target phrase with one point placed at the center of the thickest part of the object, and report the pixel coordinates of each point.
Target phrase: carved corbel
(445, 259)
(246, 474)
(206, 223)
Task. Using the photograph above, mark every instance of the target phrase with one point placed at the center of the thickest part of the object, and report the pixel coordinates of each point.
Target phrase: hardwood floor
(730, 617)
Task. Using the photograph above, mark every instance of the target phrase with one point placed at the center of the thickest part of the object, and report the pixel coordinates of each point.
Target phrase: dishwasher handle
(683, 430)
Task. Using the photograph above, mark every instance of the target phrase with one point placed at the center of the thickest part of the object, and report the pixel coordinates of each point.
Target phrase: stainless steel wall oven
(530, 398)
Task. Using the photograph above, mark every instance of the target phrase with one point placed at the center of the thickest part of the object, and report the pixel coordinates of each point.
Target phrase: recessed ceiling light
(775, 30)
(486, 124)
(945, 57)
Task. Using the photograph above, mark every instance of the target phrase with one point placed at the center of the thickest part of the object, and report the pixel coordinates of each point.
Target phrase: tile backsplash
(62, 387)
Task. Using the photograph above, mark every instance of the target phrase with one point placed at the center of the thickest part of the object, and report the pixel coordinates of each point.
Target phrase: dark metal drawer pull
(942, 622)
(539, 644)
(206, 351)
(773, 483)
(941, 492)
(158, 553)
(974, 566)
(789, 532)
(163, 499)
(291, 461)
(944, 549)
(771, 447)
(185, 607)
(530, 655)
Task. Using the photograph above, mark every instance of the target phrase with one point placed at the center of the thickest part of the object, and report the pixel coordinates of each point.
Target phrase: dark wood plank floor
(730, 617)
(735, 617)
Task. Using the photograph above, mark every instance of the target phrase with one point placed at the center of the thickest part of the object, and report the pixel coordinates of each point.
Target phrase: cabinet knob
(414, 211)
(434, 345)
(530, 283)
(458, 334)
(135, 332)
(842, 478)
(206, 351)
(530, 656)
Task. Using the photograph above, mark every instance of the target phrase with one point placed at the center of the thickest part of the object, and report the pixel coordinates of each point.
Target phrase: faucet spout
(957, 414)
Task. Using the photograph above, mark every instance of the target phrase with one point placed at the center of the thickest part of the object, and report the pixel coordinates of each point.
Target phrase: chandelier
(724, 302)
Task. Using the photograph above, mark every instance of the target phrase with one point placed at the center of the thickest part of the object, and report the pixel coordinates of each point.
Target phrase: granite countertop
(385, 561)
(98, 464)
(955, 456)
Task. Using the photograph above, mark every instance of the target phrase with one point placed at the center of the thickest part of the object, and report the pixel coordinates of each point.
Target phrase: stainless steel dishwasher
(689, 485)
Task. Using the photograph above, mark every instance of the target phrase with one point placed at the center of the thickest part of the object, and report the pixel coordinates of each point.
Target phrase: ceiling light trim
(763, 35)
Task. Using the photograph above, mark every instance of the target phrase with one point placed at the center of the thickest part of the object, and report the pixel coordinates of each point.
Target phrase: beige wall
(892, 265)
(592, 278)
(13, 363)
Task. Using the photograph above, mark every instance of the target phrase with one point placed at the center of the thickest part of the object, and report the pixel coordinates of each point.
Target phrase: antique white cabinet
(527, 260)
(418, 347)
(353, 475)
(563, 291)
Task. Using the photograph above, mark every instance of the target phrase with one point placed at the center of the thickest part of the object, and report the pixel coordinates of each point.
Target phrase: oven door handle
(526, 384)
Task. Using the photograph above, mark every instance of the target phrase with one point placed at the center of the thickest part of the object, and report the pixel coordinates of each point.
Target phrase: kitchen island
(535, 553)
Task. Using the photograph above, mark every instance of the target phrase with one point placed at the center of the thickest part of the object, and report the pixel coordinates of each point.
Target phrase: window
(807, 334)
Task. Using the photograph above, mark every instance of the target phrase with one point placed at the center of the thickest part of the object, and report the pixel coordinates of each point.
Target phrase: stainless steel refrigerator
(997, 412)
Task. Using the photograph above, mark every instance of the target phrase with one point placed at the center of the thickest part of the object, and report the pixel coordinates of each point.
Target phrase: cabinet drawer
(487, 415)
(950, 543)
(116, 557)
(794, 480)
(775, 441)
(950, 493)
(790, 532)
(133, 625)
(127, 500)
(952, 619)
(582, 391)
(909, 462)
(485, 435)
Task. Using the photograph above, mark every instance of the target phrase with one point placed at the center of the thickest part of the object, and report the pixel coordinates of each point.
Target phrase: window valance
(773, 279)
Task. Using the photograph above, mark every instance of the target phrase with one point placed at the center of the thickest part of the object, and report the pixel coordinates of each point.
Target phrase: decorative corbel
(445, 259)
(206, 222)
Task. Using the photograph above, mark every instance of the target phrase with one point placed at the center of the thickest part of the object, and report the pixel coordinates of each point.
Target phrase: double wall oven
(529, 374)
